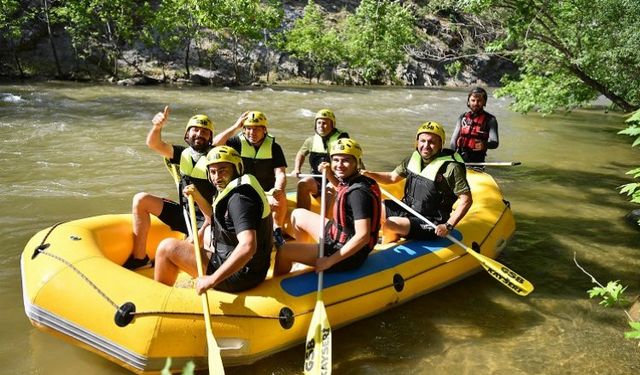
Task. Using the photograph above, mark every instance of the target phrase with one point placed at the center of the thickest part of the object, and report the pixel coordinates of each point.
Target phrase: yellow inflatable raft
(74, 287)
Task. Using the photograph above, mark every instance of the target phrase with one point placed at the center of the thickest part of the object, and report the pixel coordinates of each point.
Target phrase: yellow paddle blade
(502, 273)
(215, 360)
(318, 346)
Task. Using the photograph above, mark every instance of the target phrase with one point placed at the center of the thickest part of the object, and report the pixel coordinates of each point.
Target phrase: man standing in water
(436, 179)
(240, 239)
(476, 130)
(317, 147)
(263, 158)
(191, 162)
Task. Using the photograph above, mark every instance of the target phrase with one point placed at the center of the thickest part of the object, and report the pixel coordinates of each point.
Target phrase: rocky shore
(450, 53)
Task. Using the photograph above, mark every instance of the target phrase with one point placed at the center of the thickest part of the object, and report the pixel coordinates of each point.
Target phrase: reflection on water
(72, 150)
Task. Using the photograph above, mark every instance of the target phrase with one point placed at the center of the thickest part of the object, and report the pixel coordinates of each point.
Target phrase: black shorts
(244, 279)
(418, 229)
(346, 264)
(173, 215)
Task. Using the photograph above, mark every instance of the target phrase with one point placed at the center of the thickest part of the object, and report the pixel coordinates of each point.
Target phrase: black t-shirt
(359, 202)
(262, 169)
(244, 210)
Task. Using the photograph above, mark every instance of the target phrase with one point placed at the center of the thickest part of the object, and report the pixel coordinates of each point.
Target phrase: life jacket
(473, 127)
(225, 239)
(342, 228)
(259, 163)
(421, 191)
(319, 149)
(196, 174)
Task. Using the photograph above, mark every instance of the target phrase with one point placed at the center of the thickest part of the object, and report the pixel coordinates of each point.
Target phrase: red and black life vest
(342, 227)
(473, 127)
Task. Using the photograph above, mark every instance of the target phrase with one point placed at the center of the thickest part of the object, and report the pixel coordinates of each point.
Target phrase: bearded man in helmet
(262, 157)
(353, 231)
(191, 165)
(317, 147)
(436, 179)
(476, 131)
(238, 239)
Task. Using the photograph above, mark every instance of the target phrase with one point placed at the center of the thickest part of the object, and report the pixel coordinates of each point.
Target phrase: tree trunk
(617, 100)
(186, 58)
(45, 5)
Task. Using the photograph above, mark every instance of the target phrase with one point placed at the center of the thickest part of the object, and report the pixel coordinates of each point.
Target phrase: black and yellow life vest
(319, 148)
(259, 162)
(421, 189)
(342, 227)
(225, 239)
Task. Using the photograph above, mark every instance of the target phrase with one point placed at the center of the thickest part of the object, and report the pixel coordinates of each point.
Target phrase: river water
(73, 150)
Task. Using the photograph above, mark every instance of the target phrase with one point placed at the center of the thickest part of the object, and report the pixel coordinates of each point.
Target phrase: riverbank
(217, 59)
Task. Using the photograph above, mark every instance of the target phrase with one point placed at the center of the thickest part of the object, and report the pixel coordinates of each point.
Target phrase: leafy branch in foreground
(632, 189)
(612, 296)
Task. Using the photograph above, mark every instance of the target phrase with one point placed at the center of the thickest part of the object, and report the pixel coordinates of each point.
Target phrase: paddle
(493, 164)
(317, 358)
(512, 280)
(215, 360)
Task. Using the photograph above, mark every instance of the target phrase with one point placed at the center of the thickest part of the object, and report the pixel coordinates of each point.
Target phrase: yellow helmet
(326, 113)
(347, 146)
(255, 118)
(225, 154)
(433, 128)
(200, 121)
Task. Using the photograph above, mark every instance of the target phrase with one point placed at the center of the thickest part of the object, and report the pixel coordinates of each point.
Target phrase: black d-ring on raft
(286, 318)
(124, 315)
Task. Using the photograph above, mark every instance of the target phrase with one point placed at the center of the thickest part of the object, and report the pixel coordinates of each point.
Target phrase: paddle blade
(502, 273)
(215, 360)
(318, 346)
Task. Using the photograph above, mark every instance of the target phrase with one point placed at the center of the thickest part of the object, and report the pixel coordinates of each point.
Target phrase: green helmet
(225, 154)
(255, 118)
(433, 128)
(326, 113)
(200, 121)
(347, 146)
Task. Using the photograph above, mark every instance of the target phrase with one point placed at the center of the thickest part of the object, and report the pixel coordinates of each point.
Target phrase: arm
(154, 138)
(330, 176)
(493, 141)
(202, 203)
(464, 203)
(281, 181)
(456, 132)
(297, 165)
(383, 177)
(355, 243)
(221, 139)
(240, 256)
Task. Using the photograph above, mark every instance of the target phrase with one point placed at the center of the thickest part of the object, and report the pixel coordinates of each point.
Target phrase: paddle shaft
(215, 360)
(317, 358)
(512, 280)
(493, 164)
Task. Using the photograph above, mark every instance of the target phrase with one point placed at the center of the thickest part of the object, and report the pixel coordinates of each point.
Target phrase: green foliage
(612, 295)
(375, 37)
(632, 189)
(635, 331)
(454, 68)
(314, 40)
(581, 48)
(188, 368)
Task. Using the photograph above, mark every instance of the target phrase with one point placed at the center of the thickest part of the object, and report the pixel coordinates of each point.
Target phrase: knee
(165, 249)
(140, 200)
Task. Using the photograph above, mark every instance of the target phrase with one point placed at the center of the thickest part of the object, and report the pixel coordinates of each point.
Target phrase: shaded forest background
(244, 42)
